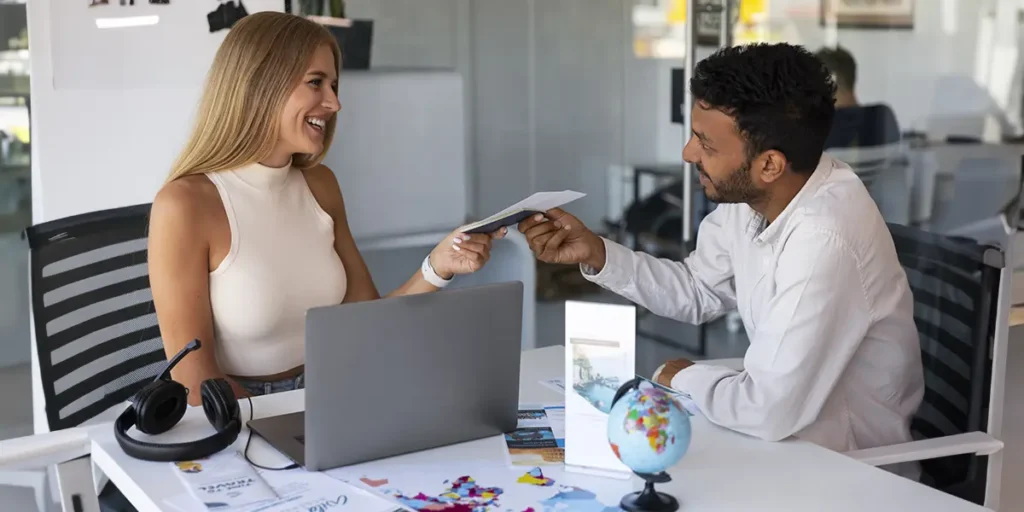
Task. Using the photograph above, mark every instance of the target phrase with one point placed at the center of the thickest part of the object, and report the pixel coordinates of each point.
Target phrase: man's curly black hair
(780, 96)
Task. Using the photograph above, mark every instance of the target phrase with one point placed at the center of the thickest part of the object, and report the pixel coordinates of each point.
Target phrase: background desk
(722, 471)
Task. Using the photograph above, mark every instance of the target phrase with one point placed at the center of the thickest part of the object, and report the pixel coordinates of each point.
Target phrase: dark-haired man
(856, 125)
(796, 245)
(843, 67)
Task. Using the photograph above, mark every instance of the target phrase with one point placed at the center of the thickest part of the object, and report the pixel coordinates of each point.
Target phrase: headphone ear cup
(159, 406)
(219, 403)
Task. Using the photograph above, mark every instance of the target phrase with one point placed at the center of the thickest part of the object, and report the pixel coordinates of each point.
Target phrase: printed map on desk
(479, 488)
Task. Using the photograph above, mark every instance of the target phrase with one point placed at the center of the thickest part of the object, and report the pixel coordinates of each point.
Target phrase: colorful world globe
(648, 430)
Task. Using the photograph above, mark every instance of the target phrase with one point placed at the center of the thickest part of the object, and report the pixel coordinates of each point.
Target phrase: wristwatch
(431, 277)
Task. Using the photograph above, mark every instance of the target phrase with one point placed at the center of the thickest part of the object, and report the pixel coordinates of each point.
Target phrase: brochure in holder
(600, 345)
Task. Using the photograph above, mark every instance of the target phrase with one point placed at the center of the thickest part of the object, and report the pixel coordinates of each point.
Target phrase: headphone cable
(245, 452)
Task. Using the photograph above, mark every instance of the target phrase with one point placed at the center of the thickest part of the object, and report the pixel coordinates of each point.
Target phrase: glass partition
(15, 216)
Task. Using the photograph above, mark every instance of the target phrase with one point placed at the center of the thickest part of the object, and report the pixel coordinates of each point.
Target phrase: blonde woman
(250, 231)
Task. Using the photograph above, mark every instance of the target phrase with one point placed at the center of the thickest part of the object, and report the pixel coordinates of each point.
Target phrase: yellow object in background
(752, 10)
(21, 133)
(677, 12)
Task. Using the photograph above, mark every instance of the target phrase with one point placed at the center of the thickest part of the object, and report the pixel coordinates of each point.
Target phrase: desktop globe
(649, 432)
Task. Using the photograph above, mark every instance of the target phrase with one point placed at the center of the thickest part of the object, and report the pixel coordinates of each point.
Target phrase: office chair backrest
(863, 126)
(95, 327)
(955, 283)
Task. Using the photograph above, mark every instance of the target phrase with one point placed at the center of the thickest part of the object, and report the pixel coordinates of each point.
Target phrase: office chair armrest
(977, 443)
(42, 450)
(733, 363)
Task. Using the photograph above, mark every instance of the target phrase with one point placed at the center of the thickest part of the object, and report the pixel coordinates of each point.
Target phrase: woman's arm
(179, 269)
(473, 249)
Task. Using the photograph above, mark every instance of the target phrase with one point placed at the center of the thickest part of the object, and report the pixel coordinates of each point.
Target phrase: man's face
(719, 154)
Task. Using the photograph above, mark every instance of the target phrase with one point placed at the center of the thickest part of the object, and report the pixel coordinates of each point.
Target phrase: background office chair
(96, 332)
(956, 284)
(863, 126)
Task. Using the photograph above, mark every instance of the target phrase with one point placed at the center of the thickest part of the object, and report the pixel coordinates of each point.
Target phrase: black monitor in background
(356, 42)
(678, 94)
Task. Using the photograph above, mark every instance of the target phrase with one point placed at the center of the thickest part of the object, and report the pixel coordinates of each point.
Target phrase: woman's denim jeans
(258, 388)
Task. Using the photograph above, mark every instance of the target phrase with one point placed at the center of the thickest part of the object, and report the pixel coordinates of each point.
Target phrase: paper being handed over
(537, 203)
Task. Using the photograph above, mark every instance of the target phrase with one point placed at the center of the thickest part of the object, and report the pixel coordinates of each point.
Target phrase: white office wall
(431, 35)
(400, 152)
(554, 95)
(581, 47)
(558, 98)
(107, 127)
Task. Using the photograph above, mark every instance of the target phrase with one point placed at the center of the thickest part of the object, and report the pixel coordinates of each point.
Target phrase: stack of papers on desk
(298, 490)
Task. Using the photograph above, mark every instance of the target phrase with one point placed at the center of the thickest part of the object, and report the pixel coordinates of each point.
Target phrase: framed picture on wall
(868, 14)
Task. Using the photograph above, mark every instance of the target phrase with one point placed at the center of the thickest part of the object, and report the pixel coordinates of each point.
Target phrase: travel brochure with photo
(599, 368)
(539, 437)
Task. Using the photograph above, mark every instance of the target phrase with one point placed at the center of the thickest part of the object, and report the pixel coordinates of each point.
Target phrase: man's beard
(737, 187)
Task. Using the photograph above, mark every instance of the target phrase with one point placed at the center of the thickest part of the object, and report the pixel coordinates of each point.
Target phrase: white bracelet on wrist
(430, 276)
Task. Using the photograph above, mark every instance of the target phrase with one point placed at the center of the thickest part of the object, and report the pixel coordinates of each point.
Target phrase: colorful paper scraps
(462, 495)
(536, 477)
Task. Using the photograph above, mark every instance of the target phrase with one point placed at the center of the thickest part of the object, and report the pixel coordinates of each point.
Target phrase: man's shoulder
(842, 206)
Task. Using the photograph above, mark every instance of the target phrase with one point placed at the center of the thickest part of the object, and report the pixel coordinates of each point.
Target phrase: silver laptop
(404, 374)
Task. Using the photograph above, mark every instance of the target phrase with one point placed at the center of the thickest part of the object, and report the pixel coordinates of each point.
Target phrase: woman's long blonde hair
(260, 62)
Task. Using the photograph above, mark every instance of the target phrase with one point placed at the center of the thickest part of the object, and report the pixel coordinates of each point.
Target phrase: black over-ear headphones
(161, 404)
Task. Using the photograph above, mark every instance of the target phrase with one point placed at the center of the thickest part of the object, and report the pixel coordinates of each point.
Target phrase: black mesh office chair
(955, 283)
(95, 327)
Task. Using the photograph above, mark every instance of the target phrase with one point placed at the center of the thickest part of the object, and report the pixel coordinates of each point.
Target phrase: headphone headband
(172, 452)
(160, 405)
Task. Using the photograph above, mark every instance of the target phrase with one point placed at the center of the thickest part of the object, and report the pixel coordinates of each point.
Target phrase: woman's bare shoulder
(190, 200)
(324, 186)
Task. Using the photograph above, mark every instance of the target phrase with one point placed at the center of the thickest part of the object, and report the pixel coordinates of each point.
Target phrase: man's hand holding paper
(536, 203)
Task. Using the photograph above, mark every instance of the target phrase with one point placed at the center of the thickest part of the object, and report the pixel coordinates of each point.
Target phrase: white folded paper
(539, 202)
(298, 490)
(223, 481)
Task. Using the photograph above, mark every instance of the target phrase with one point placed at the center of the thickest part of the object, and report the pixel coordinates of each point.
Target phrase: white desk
(722, 471)
(1011, 492)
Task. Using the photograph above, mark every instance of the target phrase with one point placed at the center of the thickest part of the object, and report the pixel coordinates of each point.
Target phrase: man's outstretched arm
(696, 290)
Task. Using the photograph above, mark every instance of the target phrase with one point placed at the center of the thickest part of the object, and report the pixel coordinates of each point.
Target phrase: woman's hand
(463, 253)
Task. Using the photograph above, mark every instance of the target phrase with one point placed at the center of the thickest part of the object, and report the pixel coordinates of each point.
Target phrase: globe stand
(650, 500)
